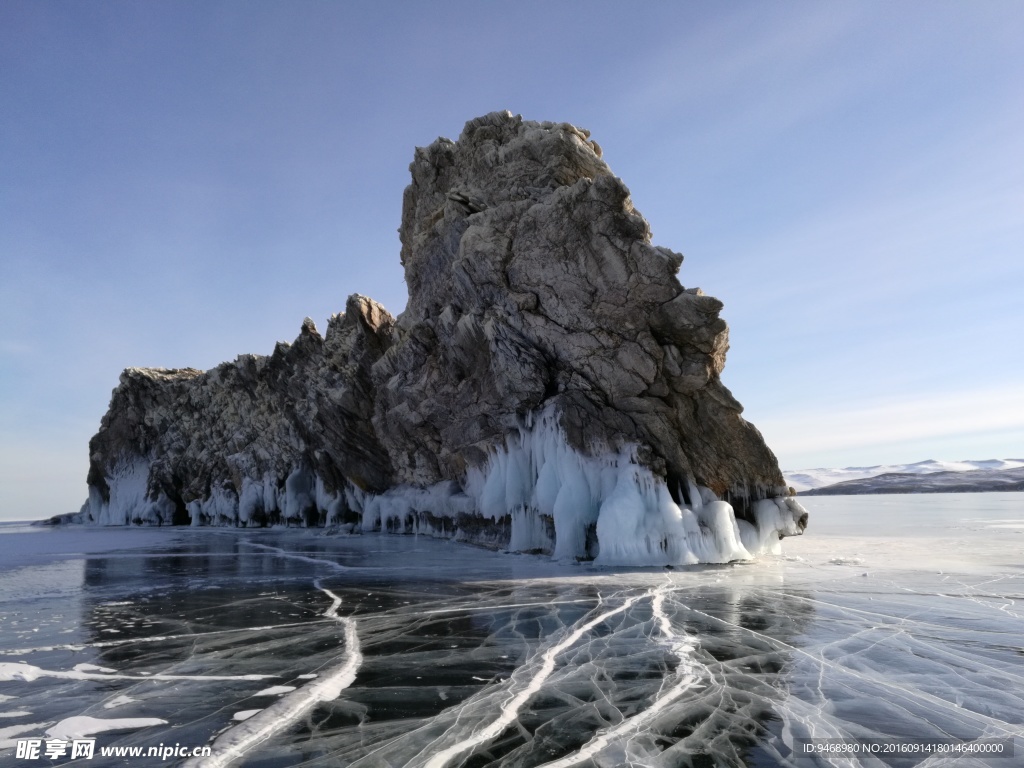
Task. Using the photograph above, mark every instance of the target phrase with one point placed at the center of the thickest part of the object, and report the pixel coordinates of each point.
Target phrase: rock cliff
(550, 386)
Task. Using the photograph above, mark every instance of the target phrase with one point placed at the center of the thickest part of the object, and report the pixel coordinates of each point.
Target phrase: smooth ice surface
(893, 617)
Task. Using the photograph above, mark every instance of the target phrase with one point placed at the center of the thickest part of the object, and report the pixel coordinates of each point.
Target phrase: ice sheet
(892, 618)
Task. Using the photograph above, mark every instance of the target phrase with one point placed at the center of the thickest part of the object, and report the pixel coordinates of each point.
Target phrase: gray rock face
(532, 281)
(306, 407)
(538, 310)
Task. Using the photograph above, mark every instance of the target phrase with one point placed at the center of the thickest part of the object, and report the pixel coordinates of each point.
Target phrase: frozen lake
(895, 617)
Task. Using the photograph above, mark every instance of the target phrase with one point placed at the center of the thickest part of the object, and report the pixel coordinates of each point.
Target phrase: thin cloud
(906, 419)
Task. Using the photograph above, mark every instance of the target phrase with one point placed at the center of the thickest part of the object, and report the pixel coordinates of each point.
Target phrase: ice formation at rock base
(550, 387)
(537, 494)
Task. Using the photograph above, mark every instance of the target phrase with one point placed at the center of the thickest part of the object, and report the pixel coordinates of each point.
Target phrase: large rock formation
(549, 386)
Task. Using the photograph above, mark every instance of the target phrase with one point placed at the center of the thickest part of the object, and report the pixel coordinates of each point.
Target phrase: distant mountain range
(921, 477)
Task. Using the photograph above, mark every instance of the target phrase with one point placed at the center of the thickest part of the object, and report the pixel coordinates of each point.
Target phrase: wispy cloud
(899, 420)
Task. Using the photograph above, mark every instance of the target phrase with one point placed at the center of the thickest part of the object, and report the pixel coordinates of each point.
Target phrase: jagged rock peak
(551, 385)
(533, 284)
(500, 160)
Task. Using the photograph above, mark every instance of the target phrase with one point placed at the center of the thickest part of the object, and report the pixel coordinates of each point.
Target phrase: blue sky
(181, 182)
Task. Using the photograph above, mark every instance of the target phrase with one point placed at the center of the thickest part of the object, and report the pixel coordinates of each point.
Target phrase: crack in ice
(240, 739)
(512, 705)
(924, 698)
(685, 678)
(30, 672)
(153, 639)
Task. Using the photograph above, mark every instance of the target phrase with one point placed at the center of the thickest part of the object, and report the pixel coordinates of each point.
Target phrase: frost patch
(80, 726)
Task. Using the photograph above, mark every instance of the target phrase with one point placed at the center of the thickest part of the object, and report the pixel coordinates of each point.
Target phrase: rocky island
(550, 386)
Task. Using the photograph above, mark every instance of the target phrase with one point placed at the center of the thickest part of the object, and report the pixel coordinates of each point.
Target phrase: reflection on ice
(281, 648)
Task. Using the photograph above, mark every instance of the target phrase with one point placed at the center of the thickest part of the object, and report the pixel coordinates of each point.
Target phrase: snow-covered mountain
(808, 479)
(975, 481)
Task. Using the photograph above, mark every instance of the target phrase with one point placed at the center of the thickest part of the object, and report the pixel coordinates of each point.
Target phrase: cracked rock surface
(533, 283)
